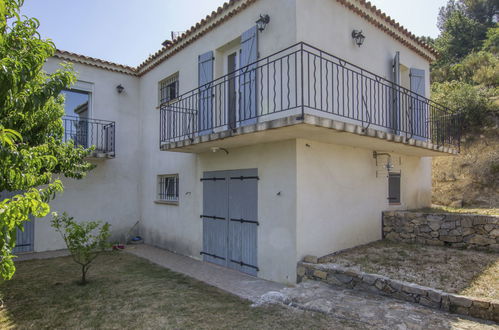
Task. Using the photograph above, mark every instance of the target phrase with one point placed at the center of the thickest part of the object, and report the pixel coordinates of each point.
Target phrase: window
(76, 125)
(76, 103)
(167, 188)
(168, 89)
(394, 188)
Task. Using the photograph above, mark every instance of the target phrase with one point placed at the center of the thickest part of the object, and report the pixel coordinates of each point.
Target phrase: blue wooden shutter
(205, 77)
(419, 108)
(247, 77)
(395, 107)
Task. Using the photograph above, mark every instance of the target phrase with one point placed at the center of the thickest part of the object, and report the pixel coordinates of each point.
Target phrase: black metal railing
(87, 132)
(300, 80)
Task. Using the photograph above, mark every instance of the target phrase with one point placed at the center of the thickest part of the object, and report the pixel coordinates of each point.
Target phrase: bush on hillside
(460, 96)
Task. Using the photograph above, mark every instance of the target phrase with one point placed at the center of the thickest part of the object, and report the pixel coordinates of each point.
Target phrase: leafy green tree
(460, 36)
(31, 145)
(483, 11)
(474, 102)
(491, 44)
(84, 240)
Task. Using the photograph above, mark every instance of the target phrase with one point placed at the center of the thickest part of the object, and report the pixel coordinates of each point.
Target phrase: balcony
(87, 132)
(303, 92)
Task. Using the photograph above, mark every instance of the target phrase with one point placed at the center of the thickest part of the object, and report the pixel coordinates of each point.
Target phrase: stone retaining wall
(346, 277)
(450, 229)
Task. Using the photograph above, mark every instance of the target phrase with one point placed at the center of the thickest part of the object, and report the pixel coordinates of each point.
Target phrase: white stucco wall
(276, 164)
(160, 223)
(110, 191)
(340, 198)
(328, 25)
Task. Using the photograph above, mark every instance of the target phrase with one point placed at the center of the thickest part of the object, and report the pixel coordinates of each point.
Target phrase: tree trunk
(84, 274)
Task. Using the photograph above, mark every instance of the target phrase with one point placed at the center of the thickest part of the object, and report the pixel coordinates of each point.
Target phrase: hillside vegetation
(465, 78)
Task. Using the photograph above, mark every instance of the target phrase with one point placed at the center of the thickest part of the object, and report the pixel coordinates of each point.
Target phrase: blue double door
(230, 219)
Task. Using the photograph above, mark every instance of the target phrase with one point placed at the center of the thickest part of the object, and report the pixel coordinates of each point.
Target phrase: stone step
(353, 279)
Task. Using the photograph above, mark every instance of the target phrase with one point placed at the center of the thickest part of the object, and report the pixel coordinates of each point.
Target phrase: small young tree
(85, 241)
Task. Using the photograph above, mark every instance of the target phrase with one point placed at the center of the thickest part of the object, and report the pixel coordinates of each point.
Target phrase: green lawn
(129, 292)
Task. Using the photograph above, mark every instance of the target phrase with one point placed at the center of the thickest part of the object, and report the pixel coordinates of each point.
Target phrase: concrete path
(239, 284)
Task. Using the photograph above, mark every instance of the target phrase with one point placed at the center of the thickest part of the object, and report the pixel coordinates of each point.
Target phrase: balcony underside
(311, 127)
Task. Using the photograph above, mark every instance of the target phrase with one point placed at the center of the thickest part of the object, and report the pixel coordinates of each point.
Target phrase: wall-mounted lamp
(217, 149)
(358, 37)
(262, 22)
(120, 88)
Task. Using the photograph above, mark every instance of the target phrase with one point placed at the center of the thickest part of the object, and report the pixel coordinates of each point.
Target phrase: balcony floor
(313, 128)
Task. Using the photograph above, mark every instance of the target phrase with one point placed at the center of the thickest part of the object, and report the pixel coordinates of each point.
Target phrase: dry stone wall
(450, 229)
(353, 279)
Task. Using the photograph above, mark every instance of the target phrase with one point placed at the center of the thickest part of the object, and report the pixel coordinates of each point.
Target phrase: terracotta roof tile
(74, 57)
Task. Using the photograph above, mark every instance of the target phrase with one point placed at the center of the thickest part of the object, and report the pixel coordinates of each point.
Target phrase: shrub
(460, 96)
(85, 241)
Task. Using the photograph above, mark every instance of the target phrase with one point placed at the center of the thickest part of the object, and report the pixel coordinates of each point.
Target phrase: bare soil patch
(466, 272)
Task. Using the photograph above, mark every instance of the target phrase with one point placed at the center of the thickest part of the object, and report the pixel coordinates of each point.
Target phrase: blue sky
(127, 31)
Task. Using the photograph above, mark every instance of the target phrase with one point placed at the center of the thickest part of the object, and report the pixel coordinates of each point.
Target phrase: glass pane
(76, 103)
(76, 126)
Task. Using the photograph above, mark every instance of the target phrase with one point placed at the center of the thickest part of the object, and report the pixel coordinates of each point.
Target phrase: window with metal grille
(394, 188)
(168, 89)
(168, 188)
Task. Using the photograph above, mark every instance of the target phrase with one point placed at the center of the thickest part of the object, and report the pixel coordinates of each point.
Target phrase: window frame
(162, 192)
(165, 84)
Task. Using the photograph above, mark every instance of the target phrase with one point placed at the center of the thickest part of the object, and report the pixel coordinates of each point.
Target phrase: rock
(434, 225)
(343, 278)
(468, 231)
(479, 220)
(481, 240)
(466, 222)
(380, 284)
(425, 229)
(414, 288)
(369, 279)
(489, 227)
(494, 233)
(435, 242)
(393, 237)
(311, 259)
(300, 271)
(429, 303)
(434, 296)
(460, 301)
(320, 274)
(271, 297)
(456, 232)
(448, 225)
(451, 239)
(433, 218)
(481, 303)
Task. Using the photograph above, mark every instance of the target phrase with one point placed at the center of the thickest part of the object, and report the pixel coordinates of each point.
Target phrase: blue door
(230, 219)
